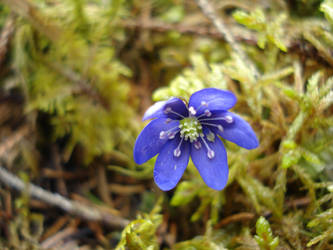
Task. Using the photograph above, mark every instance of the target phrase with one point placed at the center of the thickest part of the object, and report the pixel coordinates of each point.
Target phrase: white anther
(177, 152)
(228, 119)
(172, 135)
(163, 135)
(208, 113)
(192, 110)
(203, 103)
(210, 154)
(197, 145)
(220, 127)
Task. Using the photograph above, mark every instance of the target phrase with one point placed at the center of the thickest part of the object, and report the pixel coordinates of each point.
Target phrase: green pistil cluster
(190, 128)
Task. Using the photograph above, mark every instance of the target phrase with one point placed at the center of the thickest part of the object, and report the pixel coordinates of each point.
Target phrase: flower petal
(238, 131)
(148, 143)
(215, 99)
(168, 168)
(213, 171)
(157, 109)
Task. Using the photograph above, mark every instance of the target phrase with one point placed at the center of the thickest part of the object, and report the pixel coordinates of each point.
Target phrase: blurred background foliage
(76, 77)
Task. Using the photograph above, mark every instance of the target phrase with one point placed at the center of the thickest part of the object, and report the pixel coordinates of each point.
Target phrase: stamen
(207, 113)
(203, 103)
(192, 111)
(219, 126)
(210, 152)
(177, 152)
(227, 118)
(164, 134)
(169, 110)
(201, 115)
(172, 135)
(197, 145)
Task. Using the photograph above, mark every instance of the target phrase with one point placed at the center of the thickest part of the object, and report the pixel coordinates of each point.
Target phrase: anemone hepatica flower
(180, 130)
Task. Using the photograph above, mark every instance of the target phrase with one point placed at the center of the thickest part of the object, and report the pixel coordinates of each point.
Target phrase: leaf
(290, 158)
(265, 236)
(327, 8)
(255, 20)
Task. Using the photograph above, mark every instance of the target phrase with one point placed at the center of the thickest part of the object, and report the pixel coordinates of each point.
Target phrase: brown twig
(55, 174)
(14, 139)
(126, 189)
(240, 33)
(5, 37)
(61, 184)
(76, 208)
(102, 185)
(301, 202)
(235, 218)
(57, 239)
(27, 10)
(208, 10)
(296, 45)
(53, 229)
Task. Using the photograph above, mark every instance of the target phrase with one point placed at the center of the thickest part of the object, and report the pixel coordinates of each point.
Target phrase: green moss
(89, 74)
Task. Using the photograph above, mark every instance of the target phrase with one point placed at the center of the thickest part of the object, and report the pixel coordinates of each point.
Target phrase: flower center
(190, 128)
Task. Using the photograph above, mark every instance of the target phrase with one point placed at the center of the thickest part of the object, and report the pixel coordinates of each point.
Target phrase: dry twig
(86, 212)
(27, 10)
(209, 11)
(14, 139)
(240, 33)
(5, 37)
(234, 218)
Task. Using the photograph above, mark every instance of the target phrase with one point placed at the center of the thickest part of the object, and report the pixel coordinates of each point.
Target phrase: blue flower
(180, 131)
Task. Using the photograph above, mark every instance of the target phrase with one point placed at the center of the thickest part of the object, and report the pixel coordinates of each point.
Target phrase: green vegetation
(76, 77)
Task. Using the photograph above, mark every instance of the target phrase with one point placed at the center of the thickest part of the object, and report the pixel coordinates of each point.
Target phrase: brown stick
(5, 37)
(297, 45)
(76, 208)
(102, 185)
(61, 184)
(208, 10)
(27, 10)
(240, 33)
(235, 218)
(14, 139)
